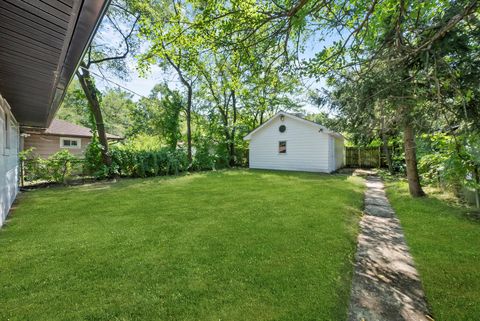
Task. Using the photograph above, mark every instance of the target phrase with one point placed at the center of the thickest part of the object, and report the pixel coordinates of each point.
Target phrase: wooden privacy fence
(363, 157)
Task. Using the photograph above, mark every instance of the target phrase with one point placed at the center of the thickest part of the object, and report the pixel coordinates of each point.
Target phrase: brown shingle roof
(64, 128)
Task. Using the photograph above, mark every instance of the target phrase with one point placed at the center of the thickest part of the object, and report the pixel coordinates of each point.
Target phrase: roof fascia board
(67, 70)
(5, 107)
(249, 135)
(310, 123)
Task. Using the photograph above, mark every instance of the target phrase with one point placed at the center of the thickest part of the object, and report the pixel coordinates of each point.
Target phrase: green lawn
(445, 244)
(229, 245)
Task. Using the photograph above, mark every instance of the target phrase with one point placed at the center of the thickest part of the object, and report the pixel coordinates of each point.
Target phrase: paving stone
(378, 210)
(377, 200)
(386, 285)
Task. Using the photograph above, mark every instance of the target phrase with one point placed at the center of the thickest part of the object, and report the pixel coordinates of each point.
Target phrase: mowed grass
(445, 244)
(228, 245)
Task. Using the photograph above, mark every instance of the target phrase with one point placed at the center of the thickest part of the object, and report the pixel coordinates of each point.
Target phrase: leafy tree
(169, 49)
(393, 36)
(221, 76)
(106, 53)
(117, 105)
(75, 107)
(267, 90)
(159, 115)
(219, 79)
(168, 122)
(326, 120)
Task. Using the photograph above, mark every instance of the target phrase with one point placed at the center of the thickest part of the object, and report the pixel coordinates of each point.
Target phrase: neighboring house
(42, 43)
(60, 135)
(288, 142)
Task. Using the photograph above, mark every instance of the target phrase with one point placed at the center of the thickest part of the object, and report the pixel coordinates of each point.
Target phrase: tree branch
(125, 40)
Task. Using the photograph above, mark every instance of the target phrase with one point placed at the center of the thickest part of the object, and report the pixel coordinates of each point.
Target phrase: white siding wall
(331, 154)
(307, 148)
(8, 160)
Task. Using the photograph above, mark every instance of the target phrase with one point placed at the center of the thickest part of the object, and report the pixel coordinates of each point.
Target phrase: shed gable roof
(302, 120)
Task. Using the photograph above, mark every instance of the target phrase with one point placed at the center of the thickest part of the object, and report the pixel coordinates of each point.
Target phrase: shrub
(60, 166)
(140, 157)
(450, 160)
(93, 160)
(205, 157)
(33, 167)
(57, 168)
(131, 162)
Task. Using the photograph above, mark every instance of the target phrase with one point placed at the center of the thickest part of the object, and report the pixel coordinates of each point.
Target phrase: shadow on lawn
(388, 272)
(473, 216)
(444, 203)
(386, 284)
(461, 210)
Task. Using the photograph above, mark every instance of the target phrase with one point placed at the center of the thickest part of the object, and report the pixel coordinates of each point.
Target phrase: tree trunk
(411, 161)
(188, 116)
(232, 135)
(228, 138)
(386, 151)
(189, 123)
(90, 91)
(477, 190)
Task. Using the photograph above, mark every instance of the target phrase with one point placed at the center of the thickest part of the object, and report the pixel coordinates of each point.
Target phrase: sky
(141, 86)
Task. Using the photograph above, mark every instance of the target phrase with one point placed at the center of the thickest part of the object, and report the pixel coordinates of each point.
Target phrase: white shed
(288, 142)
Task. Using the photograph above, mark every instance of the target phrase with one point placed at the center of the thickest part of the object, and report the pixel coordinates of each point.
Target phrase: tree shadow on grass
(438, 201)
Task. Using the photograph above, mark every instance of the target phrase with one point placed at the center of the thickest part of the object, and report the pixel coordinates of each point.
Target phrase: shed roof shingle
(64, 128)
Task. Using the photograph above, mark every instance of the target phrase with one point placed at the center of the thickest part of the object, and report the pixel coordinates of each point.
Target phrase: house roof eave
(43, 43)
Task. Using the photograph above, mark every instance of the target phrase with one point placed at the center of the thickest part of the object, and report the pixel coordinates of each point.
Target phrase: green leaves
(451, 158)
(57, 168)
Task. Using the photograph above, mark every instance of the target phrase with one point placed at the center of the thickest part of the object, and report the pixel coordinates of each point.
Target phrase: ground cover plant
(443, 239)
(225, 245)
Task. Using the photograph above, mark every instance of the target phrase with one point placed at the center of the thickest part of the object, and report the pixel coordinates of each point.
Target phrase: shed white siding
(9, 147)
(307, 147)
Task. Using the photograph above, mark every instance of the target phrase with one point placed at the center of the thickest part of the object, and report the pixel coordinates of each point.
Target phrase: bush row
(133, 162)
(128, 160)
(164, 161)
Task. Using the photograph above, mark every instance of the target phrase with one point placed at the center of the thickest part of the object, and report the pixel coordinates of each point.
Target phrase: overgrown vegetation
(58, 168)
(146, 158)
(451, 161)
(142, 157)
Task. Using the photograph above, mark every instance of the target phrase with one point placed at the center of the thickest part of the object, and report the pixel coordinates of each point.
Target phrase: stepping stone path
(386, 286)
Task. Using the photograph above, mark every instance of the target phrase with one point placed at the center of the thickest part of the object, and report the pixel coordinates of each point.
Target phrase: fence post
(22, 173)
(379, 157)
(359, 157)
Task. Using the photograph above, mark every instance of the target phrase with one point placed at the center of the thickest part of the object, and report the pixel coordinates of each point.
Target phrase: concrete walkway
(386, 285)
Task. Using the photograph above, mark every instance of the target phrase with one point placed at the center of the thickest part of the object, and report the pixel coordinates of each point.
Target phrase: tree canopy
(398, 71)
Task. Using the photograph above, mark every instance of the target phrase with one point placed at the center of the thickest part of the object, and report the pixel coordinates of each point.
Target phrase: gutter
(88, 7)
